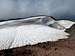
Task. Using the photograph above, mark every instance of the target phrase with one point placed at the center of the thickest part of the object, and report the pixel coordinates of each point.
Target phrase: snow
(16, 33)
(28, 34)
(66, 23)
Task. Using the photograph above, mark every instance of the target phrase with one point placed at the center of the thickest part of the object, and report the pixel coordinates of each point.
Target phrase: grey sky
(25, 8)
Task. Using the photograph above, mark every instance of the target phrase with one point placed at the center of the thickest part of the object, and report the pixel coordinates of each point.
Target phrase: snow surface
(17, 36)
(16, 33)
(66, 23)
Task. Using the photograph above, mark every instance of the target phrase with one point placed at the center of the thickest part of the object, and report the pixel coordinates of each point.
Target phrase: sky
(60, 9)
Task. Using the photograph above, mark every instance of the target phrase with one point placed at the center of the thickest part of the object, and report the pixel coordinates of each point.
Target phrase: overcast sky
(25, 8)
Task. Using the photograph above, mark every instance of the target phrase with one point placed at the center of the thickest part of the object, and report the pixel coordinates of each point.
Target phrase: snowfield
(16, 33)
